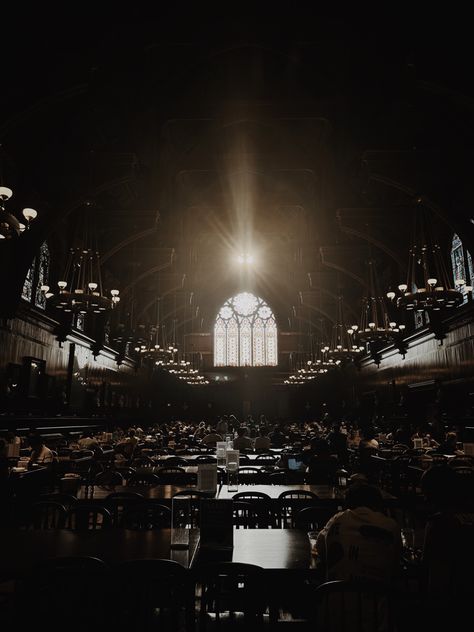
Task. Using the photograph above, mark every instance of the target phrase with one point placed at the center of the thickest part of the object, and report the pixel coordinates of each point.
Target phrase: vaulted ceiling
(188, 140)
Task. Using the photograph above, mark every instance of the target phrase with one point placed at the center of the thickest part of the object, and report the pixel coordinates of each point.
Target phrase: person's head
(363, 495)
(242, 431)
(451, 439)
(262, 431)
(131, 432)
(368, 433)
(36, 441)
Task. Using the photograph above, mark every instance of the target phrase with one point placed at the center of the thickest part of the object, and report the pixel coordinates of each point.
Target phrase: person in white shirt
(360, 543)
(40, 454)
(87, 441)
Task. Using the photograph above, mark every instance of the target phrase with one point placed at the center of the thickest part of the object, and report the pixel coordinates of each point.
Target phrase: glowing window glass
(245, 333)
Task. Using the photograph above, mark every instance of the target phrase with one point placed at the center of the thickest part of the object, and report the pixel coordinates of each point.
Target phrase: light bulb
(44, 288)
(391, 295)
(62, 285)
(393, 324)
(22, 227)
(401, 327)
(49, 294)
(372, 325)
(459, 282)
(114, 292)
(432, 282)
(403, 287)
(92, 286)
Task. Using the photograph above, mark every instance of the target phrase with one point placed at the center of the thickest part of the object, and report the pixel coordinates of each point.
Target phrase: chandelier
(375, 325)
(157, 351)
(11, 226)
(80, 289)
(344, 346)
(428, 285)
(185, 371)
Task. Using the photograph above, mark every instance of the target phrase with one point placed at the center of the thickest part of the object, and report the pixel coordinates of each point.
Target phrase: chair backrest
(174, 460)
(245, 515)
(278, 478)
(251, 496)
(266, 458)
(147, 516)
(205, 458)
(157, 594)
(69, 585)
(232, 587)
(298, 494)
(85, 517)
(66, 500)
(145, 479)
(313, 518)
(118, 503)
(48, 514)
(108, 478)
(342, 606)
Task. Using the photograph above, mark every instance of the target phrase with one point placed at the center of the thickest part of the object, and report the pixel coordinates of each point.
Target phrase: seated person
(211, 439)
(337, 441)
(322, 465)
(262, 442)
(242, 442)
(40, 454)
(87, 442)
(360, 543)
(277, 437)
(449, 445)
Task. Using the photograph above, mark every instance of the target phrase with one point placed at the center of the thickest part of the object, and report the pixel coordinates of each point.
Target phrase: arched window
(461, 262)
(245, 333)
(37, 275)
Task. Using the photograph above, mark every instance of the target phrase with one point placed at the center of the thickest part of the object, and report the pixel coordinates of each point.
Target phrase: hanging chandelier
(80, 289)
(375, 325)
(11, 226)
(428, 285)
(344, 346)
(157, 351)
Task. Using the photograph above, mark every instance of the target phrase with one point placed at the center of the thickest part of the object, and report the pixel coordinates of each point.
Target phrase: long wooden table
(272, 549)
(326, 493)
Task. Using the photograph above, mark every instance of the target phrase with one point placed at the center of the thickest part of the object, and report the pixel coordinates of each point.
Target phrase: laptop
(295, 464)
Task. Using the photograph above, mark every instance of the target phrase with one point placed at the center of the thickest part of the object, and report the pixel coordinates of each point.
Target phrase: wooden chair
(231, 592)
(118, 503)
(147, 516)
(249, 475)
(143, 479)
(48, 515)
(345, 605)
(84, 517)
(68, 589)
(292, 501)
(313, 518)
(262, 504)
(159, 595)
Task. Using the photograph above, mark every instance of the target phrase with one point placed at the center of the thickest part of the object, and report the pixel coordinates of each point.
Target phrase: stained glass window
(461, 263)
(43, 275)
(37, 276)
(27, 291)
(245, 333)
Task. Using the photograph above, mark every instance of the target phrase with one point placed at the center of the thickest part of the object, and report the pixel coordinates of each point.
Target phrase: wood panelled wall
(70, 369)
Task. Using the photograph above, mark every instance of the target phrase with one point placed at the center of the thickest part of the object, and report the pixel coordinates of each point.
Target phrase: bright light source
(245, 258)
